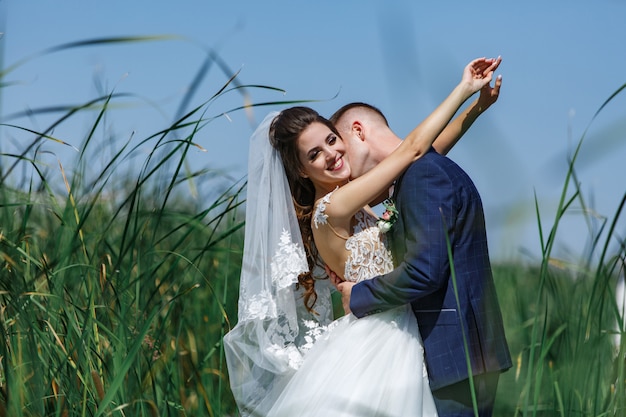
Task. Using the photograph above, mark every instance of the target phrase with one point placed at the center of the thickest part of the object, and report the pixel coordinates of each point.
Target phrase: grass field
(117, 288)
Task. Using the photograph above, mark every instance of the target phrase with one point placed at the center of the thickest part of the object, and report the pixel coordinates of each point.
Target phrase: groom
(455, 302)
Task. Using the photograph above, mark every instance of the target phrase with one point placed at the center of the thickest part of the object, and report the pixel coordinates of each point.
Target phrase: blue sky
(561, 61)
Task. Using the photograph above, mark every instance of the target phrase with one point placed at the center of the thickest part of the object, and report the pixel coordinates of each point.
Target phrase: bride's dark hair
(284, 133)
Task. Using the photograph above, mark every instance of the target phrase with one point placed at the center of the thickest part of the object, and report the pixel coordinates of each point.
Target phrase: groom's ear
(357, 129)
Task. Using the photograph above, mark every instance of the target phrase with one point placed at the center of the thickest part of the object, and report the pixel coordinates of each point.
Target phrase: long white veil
(274, 328)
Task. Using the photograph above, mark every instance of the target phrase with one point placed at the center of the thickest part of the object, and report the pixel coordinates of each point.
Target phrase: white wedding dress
(372, 366)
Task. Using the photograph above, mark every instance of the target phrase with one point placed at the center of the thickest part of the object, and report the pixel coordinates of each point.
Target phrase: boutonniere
(389, 217)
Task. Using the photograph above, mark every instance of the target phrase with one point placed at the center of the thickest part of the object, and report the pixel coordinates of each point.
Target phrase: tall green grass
(117, 288)
(563, 318)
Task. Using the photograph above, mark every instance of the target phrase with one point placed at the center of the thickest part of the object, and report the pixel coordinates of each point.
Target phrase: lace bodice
(368, 253)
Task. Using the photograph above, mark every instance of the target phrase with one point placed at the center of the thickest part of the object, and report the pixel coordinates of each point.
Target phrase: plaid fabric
(435, 198)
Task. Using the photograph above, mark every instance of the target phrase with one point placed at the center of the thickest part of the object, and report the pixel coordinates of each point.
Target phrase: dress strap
(339, 235)
(320, 216)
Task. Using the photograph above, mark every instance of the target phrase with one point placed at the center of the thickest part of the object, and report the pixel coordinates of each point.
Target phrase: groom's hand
(334, 278)
(345, 288)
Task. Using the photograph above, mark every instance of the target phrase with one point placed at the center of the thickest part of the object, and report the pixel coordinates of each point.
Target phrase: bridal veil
(274, 328)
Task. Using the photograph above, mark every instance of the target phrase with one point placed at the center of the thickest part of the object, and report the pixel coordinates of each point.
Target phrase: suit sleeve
(426, 194)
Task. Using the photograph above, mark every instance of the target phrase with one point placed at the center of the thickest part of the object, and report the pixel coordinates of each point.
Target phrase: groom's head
(366, 134)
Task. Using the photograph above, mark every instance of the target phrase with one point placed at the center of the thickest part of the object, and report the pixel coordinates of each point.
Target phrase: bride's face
(323, 156)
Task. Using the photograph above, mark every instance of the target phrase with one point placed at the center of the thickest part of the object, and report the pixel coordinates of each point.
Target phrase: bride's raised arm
(359, 192)
(454, 130)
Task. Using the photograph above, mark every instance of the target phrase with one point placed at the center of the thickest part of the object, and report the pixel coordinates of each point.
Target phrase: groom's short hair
(367, 108)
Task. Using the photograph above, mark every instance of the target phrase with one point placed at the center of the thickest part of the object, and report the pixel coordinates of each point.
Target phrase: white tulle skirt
(373, 366)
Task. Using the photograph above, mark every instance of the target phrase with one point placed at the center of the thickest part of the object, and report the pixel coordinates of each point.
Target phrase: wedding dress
(372, 366)
(284, 360)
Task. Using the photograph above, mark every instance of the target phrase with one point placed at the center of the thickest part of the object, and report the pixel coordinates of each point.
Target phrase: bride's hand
(478, 73)
(489, 94)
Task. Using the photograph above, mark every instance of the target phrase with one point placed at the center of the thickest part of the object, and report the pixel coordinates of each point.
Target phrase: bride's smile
(338, 164)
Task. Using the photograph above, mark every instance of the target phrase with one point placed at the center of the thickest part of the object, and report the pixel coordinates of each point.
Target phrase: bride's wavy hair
(284, 133)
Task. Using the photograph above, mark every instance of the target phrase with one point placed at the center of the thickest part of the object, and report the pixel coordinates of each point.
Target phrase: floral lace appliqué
(279, 313)
(288, 354)
(260, 306)
(320, 216)
(369, 255)
(288, 262)
(315, 333)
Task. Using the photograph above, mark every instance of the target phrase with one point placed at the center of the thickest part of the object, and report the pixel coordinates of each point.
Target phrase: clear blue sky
(561, 61)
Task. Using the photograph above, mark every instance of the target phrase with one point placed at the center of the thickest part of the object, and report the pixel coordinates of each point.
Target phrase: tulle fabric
(371, 366)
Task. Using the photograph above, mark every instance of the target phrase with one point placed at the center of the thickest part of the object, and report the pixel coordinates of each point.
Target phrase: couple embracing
(423, 333)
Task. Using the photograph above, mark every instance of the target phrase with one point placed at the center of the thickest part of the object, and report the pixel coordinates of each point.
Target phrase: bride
(285, 356)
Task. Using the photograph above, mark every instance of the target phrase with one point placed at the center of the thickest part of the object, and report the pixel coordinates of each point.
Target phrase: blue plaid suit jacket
(436, 197)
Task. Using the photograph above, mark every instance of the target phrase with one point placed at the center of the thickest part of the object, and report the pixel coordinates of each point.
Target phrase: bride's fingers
(493, 66)
(482, 69)
(497, 62)
(489, 69)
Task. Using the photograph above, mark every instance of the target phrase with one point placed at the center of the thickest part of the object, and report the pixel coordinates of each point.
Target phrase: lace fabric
(368, 254)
